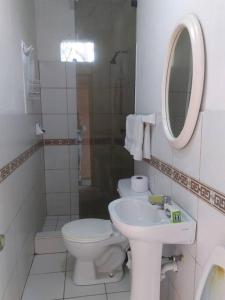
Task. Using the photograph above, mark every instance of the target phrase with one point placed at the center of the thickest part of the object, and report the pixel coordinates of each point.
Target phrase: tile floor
(55, 223)
(50, 279)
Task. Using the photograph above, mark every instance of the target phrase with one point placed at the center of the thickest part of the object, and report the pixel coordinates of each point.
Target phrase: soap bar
(156, 199)
(173, 213)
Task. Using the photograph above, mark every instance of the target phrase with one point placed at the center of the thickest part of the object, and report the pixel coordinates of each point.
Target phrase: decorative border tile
(214, 198)
(211, 196)
(61, 142)
(13, 165)
(93, 141)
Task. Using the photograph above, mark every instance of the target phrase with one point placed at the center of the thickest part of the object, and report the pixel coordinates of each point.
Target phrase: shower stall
(105, 96)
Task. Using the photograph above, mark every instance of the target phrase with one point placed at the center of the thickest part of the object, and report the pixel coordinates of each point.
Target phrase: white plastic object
(124, 189)
(39, 130)
(139, 183)
(87, 230)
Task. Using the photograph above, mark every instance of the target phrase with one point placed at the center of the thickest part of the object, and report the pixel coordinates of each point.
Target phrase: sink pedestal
(146, 270)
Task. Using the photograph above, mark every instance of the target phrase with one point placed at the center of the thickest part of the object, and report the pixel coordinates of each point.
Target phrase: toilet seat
(88, 230)
(212, 283)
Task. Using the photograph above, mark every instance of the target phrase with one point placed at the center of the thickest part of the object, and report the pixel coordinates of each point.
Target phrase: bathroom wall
(203, 158)
(55, 23)
(22, 203)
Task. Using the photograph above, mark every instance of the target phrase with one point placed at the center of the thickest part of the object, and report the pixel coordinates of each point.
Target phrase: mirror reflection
(180, 83)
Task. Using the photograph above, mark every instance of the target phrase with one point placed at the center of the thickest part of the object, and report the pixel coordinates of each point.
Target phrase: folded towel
(134, 136)
(147, 142)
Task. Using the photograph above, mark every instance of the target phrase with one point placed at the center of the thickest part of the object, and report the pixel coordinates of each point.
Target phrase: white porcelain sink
(147, 227)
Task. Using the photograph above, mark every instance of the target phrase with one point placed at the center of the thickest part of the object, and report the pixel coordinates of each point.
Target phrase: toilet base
(84, 274)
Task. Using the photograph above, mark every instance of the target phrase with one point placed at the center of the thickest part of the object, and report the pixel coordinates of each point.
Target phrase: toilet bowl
(99, 249)
(212, 283)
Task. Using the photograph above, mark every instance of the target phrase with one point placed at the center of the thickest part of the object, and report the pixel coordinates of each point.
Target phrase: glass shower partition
(105, 55)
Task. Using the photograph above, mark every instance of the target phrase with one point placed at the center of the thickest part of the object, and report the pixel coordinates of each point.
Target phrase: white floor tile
(72, 290)
(44, 287)
(49, 263)
(97, 297)
(121, 286)
(119, 296)
(70, 263)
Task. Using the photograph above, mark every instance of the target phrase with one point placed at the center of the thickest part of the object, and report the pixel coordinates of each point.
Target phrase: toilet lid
(87, 230)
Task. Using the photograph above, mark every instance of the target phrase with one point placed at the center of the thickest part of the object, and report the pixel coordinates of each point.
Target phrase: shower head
(113, 60)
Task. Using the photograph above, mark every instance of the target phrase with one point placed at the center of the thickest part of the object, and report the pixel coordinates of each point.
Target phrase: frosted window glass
(77, 51)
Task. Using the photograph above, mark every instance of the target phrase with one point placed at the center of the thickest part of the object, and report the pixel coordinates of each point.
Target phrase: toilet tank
(124, 189)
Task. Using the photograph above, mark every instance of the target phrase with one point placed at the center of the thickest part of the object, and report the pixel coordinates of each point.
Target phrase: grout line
(83, 296)
(64, 287)
(25, 285)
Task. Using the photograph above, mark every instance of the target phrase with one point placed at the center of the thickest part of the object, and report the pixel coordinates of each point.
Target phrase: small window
(77, 51)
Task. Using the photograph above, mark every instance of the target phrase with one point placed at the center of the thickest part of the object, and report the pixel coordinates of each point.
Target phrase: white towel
(147, 142)
(134, 136)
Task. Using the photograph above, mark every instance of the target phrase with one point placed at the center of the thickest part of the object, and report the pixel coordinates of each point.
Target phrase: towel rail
(150, 119)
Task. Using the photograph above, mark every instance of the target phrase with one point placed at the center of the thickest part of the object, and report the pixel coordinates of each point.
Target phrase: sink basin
(147, 227)
(138, 219)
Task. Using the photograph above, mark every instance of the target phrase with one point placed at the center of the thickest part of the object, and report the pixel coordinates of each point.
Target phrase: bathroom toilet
(212, 283)
(99, 249)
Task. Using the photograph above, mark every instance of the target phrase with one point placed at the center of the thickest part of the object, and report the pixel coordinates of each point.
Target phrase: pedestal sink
(147, 227)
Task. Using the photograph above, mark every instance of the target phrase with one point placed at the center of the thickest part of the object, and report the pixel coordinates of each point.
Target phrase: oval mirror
(183, 82)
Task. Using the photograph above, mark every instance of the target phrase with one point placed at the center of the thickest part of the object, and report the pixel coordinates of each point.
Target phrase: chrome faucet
(167, 200)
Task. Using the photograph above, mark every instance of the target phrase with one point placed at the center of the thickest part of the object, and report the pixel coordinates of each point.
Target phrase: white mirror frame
(193, 26)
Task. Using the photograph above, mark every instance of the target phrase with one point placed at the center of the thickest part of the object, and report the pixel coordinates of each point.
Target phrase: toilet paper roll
(139, 183)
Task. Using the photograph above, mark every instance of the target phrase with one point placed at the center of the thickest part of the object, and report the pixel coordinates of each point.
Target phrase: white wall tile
(172, 293)
(56, 157)
(73, 156)
(12, 290)
(58, 203)
(72, 124)
(72, 101)
(54, 23)
(184, 280)
(54, 101)
(198, 276)
(56, 126)
(24, 263)
(53, 74)
(75, 203)
(57, 181)
(7, 259)
(183, 158)
(74, 180)
(160, 146)
(212, 152)
(211, 232)
(71, 75)
(188, 201)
